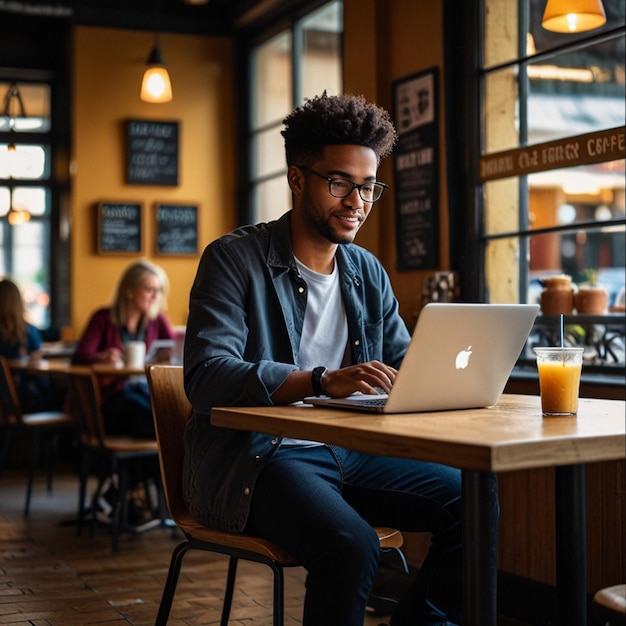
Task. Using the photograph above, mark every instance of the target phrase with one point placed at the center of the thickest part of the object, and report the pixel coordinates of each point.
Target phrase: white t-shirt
(325, 330)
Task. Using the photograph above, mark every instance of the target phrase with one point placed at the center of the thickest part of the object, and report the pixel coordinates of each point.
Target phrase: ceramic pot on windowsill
(557, 295)
(591, 300)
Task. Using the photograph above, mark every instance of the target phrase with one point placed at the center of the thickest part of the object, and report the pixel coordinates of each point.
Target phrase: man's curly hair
(336, 120)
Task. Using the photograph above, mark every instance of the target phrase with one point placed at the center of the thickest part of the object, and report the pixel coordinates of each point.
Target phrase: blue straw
(561, 330)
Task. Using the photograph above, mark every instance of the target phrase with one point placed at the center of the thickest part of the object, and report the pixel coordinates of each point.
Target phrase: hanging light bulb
(573, 16)
(17, 215)
(156, 85)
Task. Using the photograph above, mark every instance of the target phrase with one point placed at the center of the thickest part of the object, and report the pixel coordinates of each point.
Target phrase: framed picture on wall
(152, 152)
(416, 170)
(176, 229)
(119, 227)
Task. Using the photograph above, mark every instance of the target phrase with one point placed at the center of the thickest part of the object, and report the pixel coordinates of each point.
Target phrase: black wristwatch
(316, 380)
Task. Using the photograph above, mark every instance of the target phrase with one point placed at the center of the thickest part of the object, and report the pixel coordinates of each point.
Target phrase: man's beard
(322, 224)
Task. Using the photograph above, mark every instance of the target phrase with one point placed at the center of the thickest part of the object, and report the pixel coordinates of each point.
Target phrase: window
(298, 62)
(551, 188)
(25, 198)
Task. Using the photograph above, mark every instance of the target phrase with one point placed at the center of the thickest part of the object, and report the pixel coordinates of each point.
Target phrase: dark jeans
(320, 503)
(128, 411)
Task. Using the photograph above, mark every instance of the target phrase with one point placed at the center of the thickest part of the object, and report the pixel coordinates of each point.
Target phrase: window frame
(464, 113)
(247, 41)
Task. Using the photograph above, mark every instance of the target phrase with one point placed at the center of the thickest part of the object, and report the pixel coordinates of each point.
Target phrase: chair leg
(5, 446)
(403, 564)
(94, 504)
(51, 453)
(120, 513)
(229, 591)
(82, 492)
(170, 584)
(279, 595)
(32, 464)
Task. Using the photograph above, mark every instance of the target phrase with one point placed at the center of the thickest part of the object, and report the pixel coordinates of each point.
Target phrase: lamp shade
(573, 16)
(156, 85)
(16, 217)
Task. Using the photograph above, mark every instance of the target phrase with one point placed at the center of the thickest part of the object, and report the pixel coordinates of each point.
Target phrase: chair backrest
(10, 408)
(171, 410)
(86, 402)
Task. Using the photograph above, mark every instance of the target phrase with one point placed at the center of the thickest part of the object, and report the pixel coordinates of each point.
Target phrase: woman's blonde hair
(12, 322)
(132, 279)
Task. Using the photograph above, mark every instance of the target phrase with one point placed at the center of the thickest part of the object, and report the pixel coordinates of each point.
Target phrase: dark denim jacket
(246, 313)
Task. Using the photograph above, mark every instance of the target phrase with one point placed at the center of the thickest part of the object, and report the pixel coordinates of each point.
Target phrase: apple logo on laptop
(462, 358)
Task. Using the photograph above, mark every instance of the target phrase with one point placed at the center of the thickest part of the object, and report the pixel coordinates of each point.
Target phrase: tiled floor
(51, 577)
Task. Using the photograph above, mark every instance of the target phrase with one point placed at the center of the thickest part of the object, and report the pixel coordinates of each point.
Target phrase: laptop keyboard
(372, 401)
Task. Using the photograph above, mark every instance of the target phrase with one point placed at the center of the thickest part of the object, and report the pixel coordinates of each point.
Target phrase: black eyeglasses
(342, 187)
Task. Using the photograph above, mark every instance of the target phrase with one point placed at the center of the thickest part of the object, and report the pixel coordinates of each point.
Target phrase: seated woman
(20, 339)
(136, 314)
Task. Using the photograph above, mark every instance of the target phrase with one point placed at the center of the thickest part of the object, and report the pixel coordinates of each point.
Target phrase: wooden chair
(171, 409)
(609, 606)
(43, 426)
(105, 454)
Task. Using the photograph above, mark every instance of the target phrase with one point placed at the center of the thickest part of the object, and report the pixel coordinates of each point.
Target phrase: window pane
(32, 199)
(578, 194)
(575, 253)
(271, 81)
(321, 53)
(30, 269)
(5, 201)
(35, 99)
(571, 94)
(26, 162)
(577, 92)
(268, 152)
(271, 199)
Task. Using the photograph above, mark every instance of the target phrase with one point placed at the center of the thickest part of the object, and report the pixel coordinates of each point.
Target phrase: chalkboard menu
(119, 228)
(416, 171)
(176, 228)
(152, 152)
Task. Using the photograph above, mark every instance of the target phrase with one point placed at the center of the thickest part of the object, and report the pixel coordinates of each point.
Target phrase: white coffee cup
(135, 354)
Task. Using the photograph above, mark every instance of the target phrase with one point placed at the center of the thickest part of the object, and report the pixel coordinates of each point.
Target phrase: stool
(609, 606)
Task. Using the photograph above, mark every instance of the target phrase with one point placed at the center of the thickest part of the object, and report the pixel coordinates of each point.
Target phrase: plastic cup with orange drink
(559, 379)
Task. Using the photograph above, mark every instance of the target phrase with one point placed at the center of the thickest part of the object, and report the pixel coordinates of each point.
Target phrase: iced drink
(559, 379)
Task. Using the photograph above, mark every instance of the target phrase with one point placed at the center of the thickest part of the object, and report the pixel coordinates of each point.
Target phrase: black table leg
(480, 548)
(571, 545)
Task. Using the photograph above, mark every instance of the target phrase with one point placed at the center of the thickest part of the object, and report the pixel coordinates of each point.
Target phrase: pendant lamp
(14, 108)
(156, 86)
(573, 16)
(16, 217)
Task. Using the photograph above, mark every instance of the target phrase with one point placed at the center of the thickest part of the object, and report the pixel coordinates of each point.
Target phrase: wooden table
(511, 435)
(63, 366)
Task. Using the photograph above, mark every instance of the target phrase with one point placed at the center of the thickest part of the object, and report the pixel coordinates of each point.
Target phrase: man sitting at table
(284, 310)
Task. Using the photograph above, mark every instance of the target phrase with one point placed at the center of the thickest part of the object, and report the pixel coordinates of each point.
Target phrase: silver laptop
(460, 357)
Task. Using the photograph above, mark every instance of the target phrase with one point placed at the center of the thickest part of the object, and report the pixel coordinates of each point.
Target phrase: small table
(63, 366)
(512, 435)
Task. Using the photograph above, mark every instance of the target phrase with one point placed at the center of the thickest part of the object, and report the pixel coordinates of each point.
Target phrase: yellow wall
(385, 40)
(107, 69)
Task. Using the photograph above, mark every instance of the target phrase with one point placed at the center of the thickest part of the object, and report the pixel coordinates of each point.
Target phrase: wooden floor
(51, 577)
